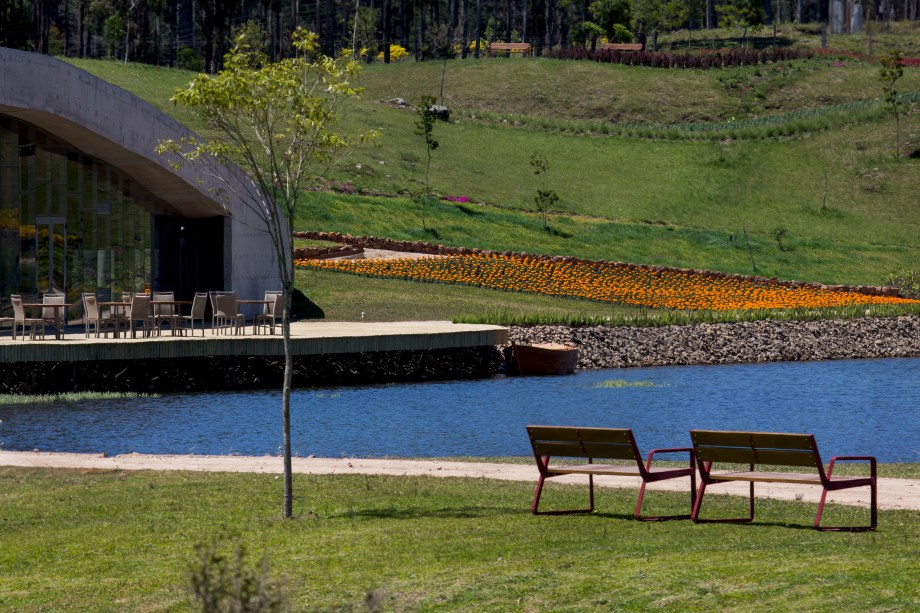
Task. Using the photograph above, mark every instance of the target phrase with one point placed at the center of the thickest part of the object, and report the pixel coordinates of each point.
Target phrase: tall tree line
(196, 33)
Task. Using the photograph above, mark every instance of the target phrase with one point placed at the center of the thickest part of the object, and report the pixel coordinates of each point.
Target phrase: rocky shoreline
(733, 343)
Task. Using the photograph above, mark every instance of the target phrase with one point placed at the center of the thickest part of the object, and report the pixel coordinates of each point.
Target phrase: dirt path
(893, 493)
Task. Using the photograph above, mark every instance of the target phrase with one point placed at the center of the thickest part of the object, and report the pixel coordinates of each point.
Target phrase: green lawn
(113, 541)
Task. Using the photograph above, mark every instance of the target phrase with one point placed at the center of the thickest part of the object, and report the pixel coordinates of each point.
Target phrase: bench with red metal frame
(605, 444)
(758, 449)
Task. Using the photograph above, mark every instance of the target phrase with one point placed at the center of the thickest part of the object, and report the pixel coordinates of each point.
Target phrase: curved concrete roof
(119, 128)
(103, 121)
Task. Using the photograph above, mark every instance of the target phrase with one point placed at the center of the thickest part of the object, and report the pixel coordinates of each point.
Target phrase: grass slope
(680, 203)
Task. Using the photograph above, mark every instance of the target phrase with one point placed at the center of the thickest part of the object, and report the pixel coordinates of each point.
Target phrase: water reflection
(854, 407)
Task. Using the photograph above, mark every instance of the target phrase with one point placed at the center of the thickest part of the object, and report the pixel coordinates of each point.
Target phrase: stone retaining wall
(248, 372)
(733, 343)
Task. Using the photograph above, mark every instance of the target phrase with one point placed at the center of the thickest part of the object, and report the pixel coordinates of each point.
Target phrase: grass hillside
(802, 150)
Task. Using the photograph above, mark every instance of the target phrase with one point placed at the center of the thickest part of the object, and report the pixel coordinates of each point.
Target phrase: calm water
(854, 407)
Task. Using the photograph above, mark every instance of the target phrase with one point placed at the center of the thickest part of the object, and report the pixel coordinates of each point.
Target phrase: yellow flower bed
(616, 283)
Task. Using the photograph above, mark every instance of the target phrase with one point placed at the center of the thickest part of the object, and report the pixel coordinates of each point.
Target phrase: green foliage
(363, 32)
(188, 59)
(610, 13)
(13, 399)
(424, 202)
(779, 235)
(907, 280)
(622, 34)
(424, 127)
(113, 31)
(273, 119)
(621, 383)
(255, 36)
(744, 14)
(227, 582)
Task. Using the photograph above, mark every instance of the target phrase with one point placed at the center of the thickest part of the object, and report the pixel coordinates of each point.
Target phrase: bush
(908, 281)
(222, 582)
(397, 52)
(188, 59)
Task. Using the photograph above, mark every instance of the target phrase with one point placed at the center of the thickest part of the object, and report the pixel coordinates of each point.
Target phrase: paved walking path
(893, 493)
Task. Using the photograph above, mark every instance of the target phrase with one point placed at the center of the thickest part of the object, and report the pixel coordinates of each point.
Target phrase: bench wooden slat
(785, 457)
(620, 436)
(776, 440)
(732, 455)
(559, 448)
(611, 451)
(767, 477)
(552, 433)
(720, 439)
(596, 469)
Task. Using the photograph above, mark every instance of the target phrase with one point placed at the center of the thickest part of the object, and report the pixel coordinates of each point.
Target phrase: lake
(852, 406)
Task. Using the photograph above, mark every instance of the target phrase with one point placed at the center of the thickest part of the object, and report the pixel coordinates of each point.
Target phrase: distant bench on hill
(524, 49)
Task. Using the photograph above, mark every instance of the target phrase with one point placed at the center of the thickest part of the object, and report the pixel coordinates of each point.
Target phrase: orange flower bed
(670, 289)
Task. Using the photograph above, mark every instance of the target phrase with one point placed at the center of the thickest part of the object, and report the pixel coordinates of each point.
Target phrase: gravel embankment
(743, 342)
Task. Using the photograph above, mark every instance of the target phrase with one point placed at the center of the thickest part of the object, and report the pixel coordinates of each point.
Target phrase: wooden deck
(308, 338)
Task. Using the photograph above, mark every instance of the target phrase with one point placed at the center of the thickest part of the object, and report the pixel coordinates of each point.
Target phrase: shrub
(908, 281)
(222, 582)
(397, 53)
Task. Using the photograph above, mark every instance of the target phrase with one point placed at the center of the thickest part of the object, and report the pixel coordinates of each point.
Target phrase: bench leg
(695, 516)
(539, 492)
(873, 514)
(666, 517)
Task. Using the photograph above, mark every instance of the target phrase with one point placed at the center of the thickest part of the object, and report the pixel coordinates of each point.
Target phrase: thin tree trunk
(477, 52)
(385, 17)
(465, 51)
(286, 400)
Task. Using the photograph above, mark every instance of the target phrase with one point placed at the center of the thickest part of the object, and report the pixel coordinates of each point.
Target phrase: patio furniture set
(147, 313)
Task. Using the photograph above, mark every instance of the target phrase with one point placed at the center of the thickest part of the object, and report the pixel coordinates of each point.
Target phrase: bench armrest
(648, 463)
(853, 458)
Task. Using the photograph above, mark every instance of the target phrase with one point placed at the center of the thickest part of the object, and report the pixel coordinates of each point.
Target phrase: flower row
(683, 290)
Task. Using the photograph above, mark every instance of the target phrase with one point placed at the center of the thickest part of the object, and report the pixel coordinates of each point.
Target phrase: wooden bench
(622, 47)
(589, 444)
(524, 49)
(769, 449)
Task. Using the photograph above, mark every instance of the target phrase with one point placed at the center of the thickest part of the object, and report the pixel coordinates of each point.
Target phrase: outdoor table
(117, 311)
(58, 307)
(263, 302)
(157, 304)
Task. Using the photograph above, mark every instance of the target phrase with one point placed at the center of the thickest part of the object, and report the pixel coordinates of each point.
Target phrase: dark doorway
(189, 256)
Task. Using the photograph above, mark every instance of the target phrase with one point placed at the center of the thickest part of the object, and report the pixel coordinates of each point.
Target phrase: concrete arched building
(86, 203)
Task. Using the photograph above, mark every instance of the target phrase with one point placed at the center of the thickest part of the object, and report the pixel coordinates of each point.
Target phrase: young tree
(424, 127)
(545, 198)
(274, 121)
(892, 69)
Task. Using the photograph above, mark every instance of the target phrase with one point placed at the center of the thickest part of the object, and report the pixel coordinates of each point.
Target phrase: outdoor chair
(272, 310)
(92, 319)
(6, 321)
(199, 303)
(140, 317)
(35, 325)
(225, 314)
(54, 317)
(165, 313)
